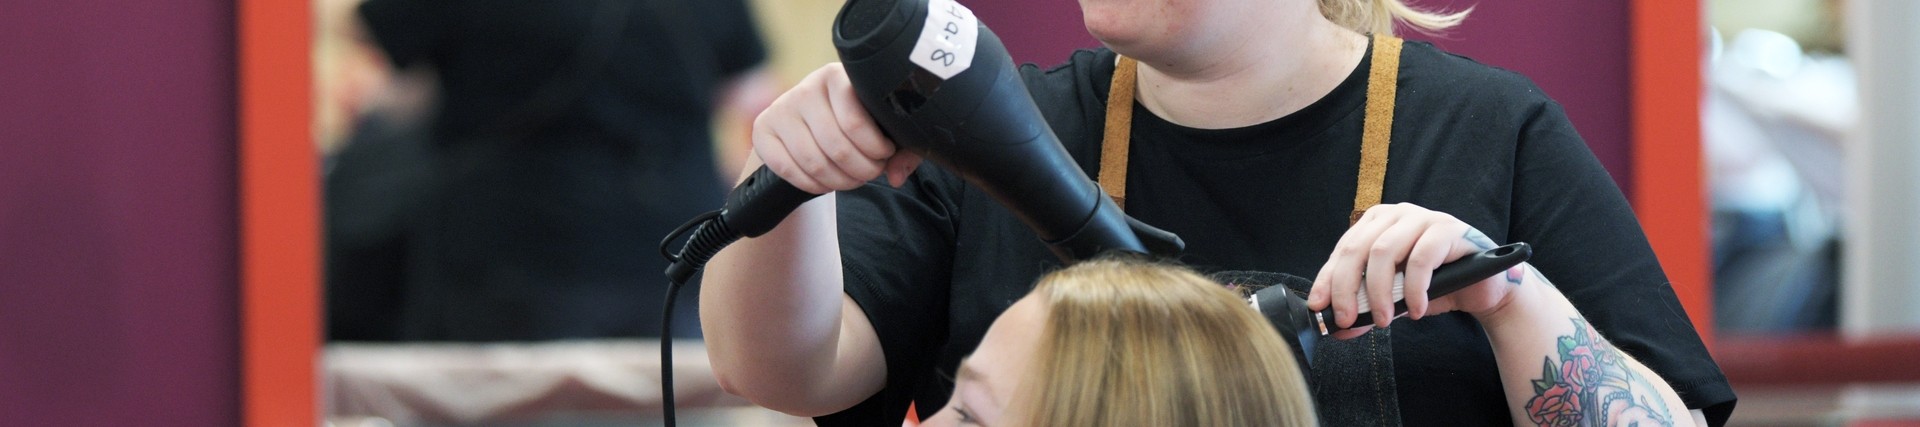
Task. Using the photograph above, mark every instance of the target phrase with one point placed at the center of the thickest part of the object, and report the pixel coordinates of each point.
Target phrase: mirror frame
(1669, 188)
(279, 215)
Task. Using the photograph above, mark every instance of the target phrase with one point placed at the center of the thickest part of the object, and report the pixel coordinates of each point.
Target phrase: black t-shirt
(655, 66)
(571, 135)
(933, 263)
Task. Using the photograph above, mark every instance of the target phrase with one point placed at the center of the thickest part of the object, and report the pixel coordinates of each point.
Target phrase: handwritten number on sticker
(947, 40)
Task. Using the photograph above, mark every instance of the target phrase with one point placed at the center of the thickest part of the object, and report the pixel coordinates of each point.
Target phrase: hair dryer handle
(760, 202)
(753, 208)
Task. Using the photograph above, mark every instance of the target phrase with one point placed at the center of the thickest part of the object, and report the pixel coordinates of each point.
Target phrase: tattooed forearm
(1523, 270)
(1592, 385)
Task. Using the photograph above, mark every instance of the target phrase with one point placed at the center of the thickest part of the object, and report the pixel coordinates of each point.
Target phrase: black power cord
(666, 352)
(707, 234)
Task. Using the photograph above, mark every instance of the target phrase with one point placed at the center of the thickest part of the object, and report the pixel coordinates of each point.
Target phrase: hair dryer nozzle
(864, 27)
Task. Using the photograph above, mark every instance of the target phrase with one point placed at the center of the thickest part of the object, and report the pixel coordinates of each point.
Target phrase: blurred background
(419, 213)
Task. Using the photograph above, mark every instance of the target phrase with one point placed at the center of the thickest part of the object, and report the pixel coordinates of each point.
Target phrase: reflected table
(562, 383)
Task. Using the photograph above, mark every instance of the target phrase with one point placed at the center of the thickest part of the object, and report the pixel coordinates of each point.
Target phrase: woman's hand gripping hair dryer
(940, 84)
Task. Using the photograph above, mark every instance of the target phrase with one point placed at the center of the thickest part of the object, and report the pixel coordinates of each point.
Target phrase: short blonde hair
(1378, 16)
(1134, 343)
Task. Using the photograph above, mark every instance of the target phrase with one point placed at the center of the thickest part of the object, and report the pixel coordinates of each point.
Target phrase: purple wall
(1042, 32)
(1575, 51)
(117, 266)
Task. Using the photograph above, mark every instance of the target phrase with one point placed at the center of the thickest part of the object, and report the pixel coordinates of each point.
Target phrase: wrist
(1522, 305)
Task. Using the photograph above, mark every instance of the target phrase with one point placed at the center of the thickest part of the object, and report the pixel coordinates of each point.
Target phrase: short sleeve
(407, 30)
(1589, 244)
(896, 249)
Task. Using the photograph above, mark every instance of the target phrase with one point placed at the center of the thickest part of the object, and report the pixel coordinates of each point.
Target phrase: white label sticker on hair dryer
(947, 41)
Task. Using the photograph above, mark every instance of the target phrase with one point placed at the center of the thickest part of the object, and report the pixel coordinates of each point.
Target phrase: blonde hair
(1378, 16)
(1133, 343)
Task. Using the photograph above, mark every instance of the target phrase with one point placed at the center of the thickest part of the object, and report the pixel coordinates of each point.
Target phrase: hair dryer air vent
(863, 27)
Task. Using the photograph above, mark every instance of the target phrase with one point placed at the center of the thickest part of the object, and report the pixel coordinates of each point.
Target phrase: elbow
(774, 395)
(727, 384)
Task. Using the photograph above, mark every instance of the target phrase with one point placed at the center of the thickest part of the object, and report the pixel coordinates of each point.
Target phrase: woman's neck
(1252, 77)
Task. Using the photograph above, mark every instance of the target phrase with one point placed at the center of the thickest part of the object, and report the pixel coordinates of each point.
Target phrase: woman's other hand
(1403, 238)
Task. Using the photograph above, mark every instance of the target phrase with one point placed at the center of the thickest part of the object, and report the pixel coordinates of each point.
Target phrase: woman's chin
(1125, 42)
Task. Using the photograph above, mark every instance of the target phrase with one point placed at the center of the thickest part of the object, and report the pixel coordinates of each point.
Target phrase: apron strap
(1354, 383)
(1382, 87)
(1119, 131)
(1383, 81)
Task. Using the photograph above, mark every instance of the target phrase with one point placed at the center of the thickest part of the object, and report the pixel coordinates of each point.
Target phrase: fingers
(1317, 295)
(831, 158)
(1428, 253)
(1342, 273)
(819, 138)
(854, 122)
(771, 149)
(1384, 257)
(1401, 240)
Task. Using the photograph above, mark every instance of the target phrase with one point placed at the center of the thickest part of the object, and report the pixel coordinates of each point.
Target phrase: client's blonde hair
(1134, 343)
(1378, 16)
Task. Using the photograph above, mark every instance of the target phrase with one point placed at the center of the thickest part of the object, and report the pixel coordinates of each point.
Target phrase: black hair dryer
(940, 84)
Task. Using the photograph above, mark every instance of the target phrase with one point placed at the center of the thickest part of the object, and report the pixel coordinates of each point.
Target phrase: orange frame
(279, 216)
(1669, 191)
(1670, 197)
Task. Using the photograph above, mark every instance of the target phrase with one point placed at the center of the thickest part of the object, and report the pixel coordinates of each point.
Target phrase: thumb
(900, 165)
(1355, 332)
(1441, 305)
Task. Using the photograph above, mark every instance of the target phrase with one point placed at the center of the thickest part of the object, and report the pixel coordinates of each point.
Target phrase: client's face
(983, 389)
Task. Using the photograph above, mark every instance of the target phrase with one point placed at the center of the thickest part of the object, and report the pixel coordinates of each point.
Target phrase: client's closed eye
(966, 416)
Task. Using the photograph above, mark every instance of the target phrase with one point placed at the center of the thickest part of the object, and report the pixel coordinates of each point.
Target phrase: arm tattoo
(1479, 239)
(1593, 386)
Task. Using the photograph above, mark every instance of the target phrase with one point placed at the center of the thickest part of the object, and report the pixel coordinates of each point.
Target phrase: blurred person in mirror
(569, 137)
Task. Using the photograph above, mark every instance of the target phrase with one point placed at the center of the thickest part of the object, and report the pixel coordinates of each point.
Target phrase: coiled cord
(710, 234)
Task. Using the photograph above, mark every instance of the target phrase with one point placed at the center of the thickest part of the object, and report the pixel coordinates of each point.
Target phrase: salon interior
(203, 203)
